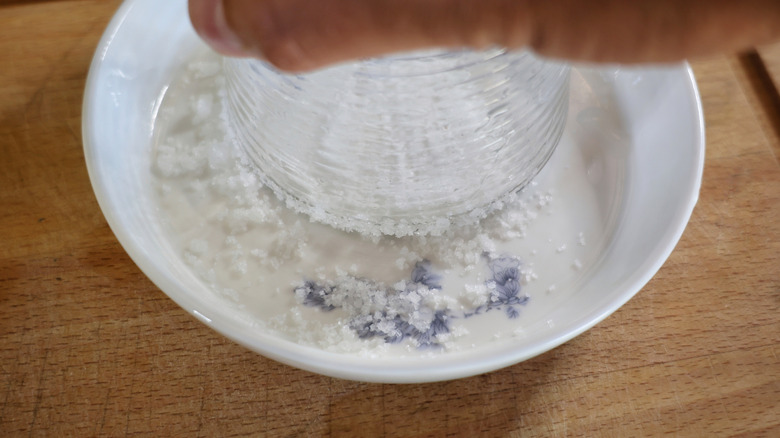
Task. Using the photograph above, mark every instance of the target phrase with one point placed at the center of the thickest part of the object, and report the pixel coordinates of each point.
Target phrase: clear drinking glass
(408, 144)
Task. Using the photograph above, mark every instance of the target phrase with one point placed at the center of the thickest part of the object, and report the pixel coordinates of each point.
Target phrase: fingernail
(220, 36)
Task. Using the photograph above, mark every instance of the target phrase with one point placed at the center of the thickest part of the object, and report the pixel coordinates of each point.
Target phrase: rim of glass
(418, 63)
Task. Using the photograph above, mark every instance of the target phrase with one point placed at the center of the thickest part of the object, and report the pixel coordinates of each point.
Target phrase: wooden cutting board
(90, 347)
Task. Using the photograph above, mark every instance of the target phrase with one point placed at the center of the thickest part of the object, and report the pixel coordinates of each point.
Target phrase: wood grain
(770, 55)
(91, 348)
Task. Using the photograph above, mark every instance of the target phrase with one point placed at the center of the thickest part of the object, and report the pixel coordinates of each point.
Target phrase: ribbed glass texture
(400, 145)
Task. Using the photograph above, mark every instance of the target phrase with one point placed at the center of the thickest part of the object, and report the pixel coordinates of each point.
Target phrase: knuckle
(277, 32)
(285, 53)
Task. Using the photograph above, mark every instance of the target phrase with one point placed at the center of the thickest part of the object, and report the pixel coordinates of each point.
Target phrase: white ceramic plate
(625, 179)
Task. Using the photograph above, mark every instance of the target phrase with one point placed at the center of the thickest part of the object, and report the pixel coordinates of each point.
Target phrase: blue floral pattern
(505, 285)
(316, 295)
(423, 274)
(403, 329)
(503, 288)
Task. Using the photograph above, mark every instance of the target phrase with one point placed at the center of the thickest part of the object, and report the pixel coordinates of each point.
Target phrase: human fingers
(299, 35)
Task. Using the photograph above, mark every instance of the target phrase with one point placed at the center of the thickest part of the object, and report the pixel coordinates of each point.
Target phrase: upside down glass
(408, 144)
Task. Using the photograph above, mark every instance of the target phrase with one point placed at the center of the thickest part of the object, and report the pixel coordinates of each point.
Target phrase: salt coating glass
(401, 145)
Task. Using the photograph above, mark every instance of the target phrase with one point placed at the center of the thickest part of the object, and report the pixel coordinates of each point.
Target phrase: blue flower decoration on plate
(422, 324)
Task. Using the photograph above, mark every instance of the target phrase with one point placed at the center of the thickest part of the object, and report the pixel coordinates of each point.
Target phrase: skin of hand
(301, 35)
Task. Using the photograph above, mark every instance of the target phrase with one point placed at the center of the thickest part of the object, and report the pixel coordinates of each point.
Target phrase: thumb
(299, 35)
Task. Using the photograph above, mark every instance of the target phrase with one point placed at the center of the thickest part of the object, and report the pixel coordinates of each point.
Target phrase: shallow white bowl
(660, 118)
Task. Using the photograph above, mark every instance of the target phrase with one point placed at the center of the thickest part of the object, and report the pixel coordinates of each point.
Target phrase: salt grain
(475, 295)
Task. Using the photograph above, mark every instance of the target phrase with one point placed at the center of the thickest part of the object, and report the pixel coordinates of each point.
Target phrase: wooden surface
(89, 347)
(771, 58)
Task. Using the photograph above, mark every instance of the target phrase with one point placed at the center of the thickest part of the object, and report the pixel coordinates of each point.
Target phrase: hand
(299, 35)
